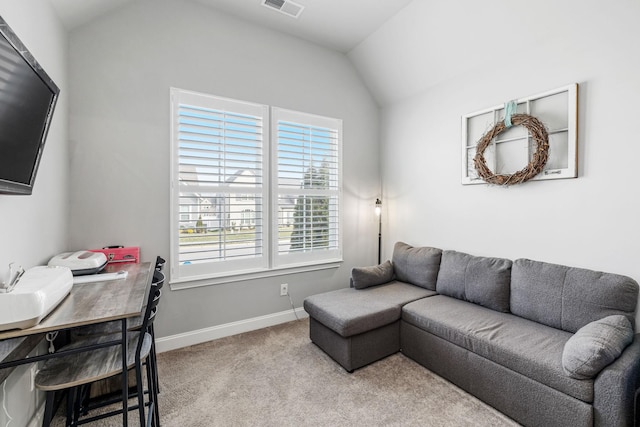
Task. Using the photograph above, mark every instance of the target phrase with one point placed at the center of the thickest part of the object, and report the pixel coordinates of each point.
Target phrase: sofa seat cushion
(529, 348)
(354, 311)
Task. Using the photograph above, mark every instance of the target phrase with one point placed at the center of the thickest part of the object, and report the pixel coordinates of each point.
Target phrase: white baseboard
(186, 339)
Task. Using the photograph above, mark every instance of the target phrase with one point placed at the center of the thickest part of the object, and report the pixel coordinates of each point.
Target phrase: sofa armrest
(615, 388)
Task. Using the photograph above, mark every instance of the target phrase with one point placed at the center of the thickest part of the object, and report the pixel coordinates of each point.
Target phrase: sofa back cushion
(418, 266)
(568, 298)
(481, 280)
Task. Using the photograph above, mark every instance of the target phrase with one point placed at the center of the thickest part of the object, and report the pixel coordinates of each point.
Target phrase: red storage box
(120, 254)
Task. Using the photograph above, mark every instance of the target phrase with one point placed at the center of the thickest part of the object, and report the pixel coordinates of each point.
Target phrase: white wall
(591, 221)
(122, 67)
(34, 228)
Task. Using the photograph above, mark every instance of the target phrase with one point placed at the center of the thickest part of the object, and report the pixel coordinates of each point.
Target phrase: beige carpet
(277, 377)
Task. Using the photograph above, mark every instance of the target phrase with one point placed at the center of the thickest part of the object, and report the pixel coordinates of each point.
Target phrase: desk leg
(125, 376)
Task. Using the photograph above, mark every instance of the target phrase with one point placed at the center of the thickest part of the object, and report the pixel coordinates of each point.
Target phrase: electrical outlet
(284, 289)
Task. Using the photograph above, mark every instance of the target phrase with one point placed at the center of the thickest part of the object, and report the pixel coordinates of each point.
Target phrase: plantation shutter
(308, 195)
(220, 193)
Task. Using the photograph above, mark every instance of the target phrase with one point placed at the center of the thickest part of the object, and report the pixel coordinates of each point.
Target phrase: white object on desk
(35, 295)
(80, 262)
(99, 277)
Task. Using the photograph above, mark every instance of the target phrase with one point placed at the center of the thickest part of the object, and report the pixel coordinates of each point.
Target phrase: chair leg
(84, 397)
(71, 403)
(154, 359)
(156, 408)
(82, 402)
(140, 390)
(150, 391)
(153, 395)
(48, 408)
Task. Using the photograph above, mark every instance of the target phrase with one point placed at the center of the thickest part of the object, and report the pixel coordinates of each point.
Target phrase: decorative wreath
(535, 166)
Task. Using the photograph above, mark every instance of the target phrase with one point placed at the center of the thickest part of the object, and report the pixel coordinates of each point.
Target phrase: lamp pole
(379, 214)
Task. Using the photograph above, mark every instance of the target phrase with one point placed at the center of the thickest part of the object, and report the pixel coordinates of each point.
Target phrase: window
(254, 190)
(248, 218)
(306, 153)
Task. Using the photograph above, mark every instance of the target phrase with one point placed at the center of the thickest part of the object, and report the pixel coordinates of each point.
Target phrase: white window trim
(177, 97)
(241, 276)
(270, 267)
(310, 119)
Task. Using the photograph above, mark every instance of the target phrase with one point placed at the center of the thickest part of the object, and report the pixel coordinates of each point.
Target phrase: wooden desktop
(87, 304)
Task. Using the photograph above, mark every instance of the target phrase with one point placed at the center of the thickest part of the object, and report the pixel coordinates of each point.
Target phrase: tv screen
(27, 100)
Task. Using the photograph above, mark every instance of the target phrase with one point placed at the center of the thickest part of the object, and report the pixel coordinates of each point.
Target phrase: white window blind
(308, 196)
(219, 184)
(254, 191)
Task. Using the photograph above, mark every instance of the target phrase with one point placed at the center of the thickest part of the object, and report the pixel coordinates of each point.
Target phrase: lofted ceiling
(74, 13)
(337, 24)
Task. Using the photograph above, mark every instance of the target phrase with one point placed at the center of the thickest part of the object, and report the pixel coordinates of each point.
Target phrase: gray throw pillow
(418, 266)
(595, 346)
(363, 277)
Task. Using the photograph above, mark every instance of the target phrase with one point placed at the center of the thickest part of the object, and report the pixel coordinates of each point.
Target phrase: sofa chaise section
(359, 325)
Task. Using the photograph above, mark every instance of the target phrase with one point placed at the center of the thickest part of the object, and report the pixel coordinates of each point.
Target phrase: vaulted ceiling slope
(430, 42)
(336, 24)
(404, 47)
(74, 13)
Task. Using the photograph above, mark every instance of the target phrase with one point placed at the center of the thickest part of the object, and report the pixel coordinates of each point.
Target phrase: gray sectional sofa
(546, 344)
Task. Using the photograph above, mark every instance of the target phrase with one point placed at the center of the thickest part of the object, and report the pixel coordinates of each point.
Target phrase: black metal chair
(73, 371)
(133, 325)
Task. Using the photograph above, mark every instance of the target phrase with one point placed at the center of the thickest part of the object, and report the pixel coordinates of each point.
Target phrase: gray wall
(591, 221)
(33, 228)
(122, 67)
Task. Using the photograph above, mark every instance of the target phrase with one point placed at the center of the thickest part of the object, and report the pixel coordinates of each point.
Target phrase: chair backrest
(154, 310)
(158, 279)
(160, 262)
(156, 290)
(153, 300)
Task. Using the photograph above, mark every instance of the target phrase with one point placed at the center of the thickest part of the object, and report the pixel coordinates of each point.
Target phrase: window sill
(199, 281)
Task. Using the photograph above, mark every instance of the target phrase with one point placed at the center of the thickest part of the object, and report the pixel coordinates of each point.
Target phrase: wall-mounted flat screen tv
(27, 100)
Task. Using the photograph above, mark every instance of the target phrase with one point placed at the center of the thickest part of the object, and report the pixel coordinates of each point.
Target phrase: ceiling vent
(286, 7)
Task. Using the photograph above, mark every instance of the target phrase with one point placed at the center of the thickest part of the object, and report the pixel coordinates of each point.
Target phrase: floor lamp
(379, 215)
